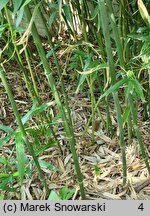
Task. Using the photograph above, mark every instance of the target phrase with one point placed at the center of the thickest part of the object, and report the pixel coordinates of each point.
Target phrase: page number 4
(141, 207)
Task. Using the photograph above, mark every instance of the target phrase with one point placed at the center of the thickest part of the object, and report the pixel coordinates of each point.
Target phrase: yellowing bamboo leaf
(144, 13)
(26, 34)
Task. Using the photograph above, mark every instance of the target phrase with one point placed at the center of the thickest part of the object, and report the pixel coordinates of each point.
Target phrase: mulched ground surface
(105, 154)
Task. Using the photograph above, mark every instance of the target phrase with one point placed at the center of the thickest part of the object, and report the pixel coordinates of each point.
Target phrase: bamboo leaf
(125, 114)
(3, 160)
(6, 128)
(70, 194)
(129, 88)
(9, 130)
(1, 196)
(63, 192)
(87, 63)
(47, 146)
(83, 76)
(51, 18)
(99, 23)
(27, 32)
(4, 182)
(35, 111)
(53, 196)
(93, 69)
(138, 89)
(67, 13)
(17, 5)
(78, 53)
(3, 4)
(47, 165)
(114, 87)
(25, 3)
(5, 139)
(2, 28)
(144, 12)
(95, 13)
(35, 134)
(19, 17)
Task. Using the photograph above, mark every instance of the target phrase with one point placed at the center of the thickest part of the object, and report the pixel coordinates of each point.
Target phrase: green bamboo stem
(125, 26)
(99, 39)
(21, 127)
(105, 28)
(116, 34)
(18, 58)
(48, 73)
(147, 105)
(31, 73)
(129, 123)
(31, 89)
(148, 93)
(59, 70)
(90, 82)
(108, 123)
(38, 98)
(120, 56)
(137, 132)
